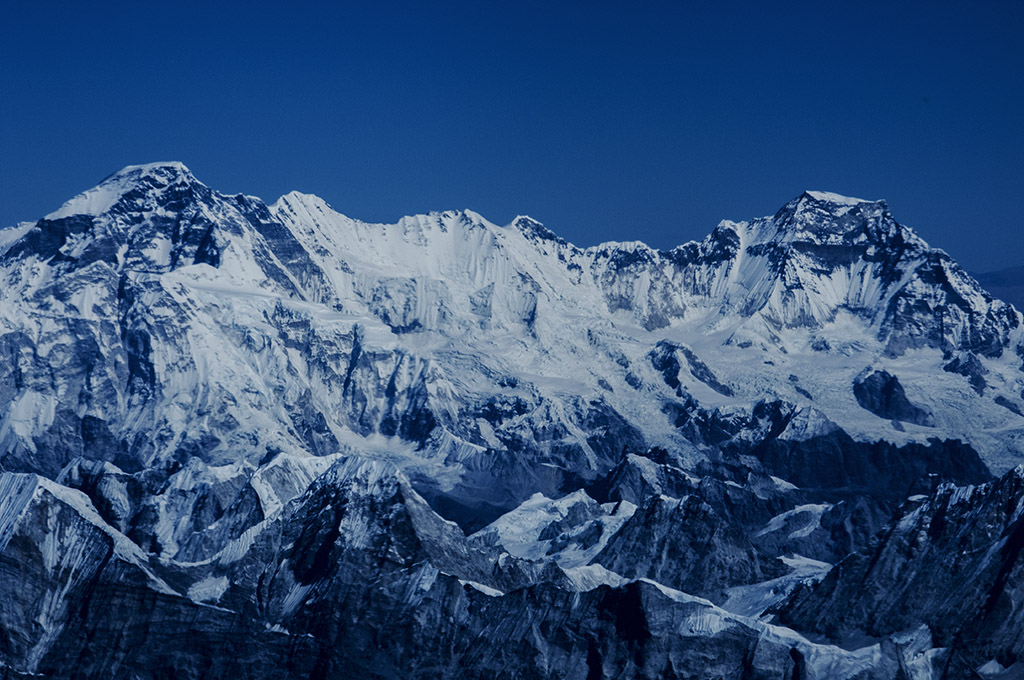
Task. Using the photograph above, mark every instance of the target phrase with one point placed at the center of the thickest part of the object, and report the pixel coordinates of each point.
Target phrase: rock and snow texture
(449, 448)
(949, 561)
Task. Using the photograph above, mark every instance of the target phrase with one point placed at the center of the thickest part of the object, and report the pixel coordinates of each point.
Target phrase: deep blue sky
(637, 120)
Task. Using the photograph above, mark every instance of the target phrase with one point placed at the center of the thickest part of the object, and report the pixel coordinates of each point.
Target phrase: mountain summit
(449, 448)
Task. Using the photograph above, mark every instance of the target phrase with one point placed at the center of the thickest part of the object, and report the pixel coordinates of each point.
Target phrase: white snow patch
(590, 576)
(812, 521)
(210, 589)
(486, 590)
(754, 599)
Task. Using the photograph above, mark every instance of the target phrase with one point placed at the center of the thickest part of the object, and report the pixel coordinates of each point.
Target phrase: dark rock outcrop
(881, 393)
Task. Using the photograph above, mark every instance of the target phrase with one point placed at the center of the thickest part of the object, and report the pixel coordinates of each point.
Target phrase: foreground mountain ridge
(317, 440)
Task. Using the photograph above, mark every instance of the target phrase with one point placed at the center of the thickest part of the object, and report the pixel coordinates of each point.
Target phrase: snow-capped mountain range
(449, 448)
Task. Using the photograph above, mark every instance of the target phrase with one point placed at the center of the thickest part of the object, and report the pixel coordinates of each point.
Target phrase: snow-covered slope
(200, 365)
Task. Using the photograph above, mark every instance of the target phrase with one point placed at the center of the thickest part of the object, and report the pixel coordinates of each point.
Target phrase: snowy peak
(835, 199)
(167, 171)
(309, 206)
(112, 189)
(151, 217)
(824, 217)
(819, 254)
(535, 230)
(833, 203)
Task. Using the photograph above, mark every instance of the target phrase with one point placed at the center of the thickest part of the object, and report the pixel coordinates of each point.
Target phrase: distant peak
(102, 197)
(299, 198)
(147, 168)
(168, 171)
(837, 199)
(525, 220)
(823, 208)
(532, 228)
(472, 216)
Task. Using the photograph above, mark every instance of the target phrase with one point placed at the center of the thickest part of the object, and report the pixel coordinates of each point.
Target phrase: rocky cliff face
(949, 561)
(448, 448)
